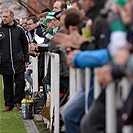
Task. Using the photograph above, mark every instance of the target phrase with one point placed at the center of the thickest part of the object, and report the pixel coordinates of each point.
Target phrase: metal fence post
(35, 73)
(87, 87)
(55, 91)
(97, 88)
(72, 81)
(110, 109)
(78, 77)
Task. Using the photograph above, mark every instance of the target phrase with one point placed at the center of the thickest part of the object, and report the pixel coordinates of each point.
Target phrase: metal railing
(54, 110)
(76, 83)
(35, 73)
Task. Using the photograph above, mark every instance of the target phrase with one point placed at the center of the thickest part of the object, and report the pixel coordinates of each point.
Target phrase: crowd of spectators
(86, 33)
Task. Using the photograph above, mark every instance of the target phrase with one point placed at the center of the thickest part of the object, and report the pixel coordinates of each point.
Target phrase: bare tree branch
(40, 1)
(25, 5)
(19, 1)
(30, 9)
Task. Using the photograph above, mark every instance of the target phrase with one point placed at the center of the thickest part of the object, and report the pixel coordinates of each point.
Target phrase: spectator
(59, 5)
(18, 21)
(14, 48)
(24, 23)
(47, 26)
(42, 16)
(64, 70)
(74, 109)
(35, 29)
(77, 5)
(121, 67)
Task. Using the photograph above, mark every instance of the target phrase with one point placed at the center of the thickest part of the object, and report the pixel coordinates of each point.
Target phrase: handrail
(55, 90)
(54, 108)
(75, 83)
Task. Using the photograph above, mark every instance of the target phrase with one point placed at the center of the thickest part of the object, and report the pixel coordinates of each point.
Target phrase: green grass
(10, 122)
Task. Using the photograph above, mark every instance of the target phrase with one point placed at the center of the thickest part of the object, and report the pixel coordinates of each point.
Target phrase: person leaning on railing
(121, 66)
(74, 109)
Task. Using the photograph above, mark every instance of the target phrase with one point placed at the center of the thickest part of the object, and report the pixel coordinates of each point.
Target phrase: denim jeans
(73, 112)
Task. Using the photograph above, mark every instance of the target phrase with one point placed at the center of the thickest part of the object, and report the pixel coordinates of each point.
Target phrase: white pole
(35, 74)
(46, 60)
(97, 87)
(56, 72)
(87, 87)
(110, 109)
(55, 76)
(78, 82)
(72, 82)
(52, 91)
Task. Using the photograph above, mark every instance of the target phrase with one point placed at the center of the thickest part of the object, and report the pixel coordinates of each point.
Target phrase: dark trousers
(13, 88)
(94, 121)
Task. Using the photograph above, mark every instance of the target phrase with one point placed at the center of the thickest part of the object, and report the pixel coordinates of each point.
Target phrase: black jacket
(64, 69)
(13, 49)
(31, 35)
(100, 31)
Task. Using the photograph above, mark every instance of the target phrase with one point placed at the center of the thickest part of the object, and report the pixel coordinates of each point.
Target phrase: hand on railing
(70, 55)
(27, 64)
(33, 50)
(104, 75)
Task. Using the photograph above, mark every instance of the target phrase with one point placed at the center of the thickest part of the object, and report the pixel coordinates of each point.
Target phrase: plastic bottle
(41, 88)
(30, 109)
(24, 109)
(41, 91)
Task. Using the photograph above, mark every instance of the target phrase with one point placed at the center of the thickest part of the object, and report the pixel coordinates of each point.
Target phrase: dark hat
(58, 14)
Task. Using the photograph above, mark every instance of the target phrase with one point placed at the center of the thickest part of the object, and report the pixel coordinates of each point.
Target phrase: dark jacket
(100, 31)
(31, 35)
(31, 38)
(64, 69)
(13, 49)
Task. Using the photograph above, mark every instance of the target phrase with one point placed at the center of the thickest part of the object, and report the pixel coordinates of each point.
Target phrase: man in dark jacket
(34, 28)
(14, 58)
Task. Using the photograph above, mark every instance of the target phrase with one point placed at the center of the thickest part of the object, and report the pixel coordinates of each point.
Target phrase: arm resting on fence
(91, 59)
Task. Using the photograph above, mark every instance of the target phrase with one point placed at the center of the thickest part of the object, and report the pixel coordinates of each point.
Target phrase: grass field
(10, 122)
